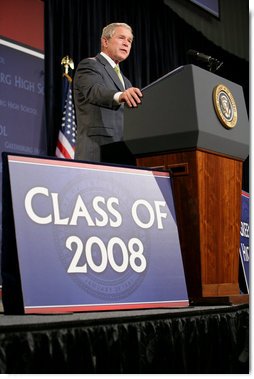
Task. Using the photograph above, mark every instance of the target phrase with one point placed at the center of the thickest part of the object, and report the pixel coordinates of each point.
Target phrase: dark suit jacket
(99, 117)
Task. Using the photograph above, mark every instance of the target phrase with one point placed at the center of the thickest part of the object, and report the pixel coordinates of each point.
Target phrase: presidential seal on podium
(225, 106)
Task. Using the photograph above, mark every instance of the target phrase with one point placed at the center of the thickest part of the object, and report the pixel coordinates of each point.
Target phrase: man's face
(119, 45)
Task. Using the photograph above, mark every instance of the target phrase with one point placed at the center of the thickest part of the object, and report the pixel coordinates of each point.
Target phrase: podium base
(221, 300)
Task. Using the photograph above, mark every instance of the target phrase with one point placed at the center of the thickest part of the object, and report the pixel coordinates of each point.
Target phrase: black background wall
(161, 42)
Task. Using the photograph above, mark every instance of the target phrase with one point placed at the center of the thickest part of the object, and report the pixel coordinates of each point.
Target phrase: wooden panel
(219, 191)
(207, 194)
(223, 289)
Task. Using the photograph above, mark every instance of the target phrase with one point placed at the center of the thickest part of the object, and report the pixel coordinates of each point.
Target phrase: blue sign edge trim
(106, 307)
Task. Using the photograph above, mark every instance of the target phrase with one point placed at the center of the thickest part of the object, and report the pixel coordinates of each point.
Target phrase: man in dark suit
(100, 94)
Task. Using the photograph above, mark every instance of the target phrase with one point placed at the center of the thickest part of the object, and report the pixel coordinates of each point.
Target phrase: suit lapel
(111, 72)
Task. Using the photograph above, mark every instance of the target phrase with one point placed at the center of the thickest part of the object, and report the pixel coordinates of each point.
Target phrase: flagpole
(65, 147)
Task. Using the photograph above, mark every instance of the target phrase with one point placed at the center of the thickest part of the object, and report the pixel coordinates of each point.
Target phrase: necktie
(117, 70)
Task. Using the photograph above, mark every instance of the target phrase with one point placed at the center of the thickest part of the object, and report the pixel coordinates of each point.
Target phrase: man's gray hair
(109, 30)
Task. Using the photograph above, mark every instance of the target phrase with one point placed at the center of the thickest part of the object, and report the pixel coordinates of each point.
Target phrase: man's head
(116, 40)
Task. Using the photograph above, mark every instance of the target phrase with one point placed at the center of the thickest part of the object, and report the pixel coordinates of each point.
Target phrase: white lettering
(5, 78)
(140, 206)
(114, 212)
(132, 257)
(58, 220)
(142, 224)
(101, 212)
(244, 231)
(80, 210)
(28, 205)
(245, 251)
(160, 215)
(24, 84)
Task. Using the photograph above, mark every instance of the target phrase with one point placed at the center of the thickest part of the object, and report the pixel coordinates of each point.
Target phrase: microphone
(200, 56)
(212, 62)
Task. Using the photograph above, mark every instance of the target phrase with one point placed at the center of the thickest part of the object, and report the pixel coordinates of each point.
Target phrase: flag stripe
(65, 147)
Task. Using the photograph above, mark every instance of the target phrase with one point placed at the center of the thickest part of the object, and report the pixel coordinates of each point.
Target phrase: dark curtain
(212, 340)
(161, 42)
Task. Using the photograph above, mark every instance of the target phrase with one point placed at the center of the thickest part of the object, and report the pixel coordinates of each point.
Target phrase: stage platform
(195, 339)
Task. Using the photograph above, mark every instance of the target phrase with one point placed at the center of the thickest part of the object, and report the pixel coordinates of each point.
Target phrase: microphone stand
(214, 65)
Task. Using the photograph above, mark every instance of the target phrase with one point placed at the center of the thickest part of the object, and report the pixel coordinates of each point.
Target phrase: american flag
(65, 147)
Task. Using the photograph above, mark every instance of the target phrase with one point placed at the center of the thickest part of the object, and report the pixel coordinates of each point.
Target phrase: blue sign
(95, 237)
(22, 126)
(244, 241)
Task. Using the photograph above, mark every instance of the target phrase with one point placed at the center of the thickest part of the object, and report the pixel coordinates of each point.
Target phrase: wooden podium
(194, 123)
